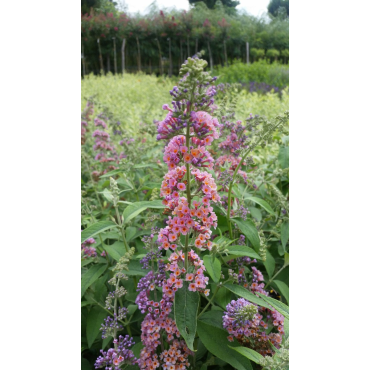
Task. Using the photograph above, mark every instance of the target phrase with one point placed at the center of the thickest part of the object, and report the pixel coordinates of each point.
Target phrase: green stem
(110, 313)
(210, 301)
(187, 189)
(270, 281)
(122, 230)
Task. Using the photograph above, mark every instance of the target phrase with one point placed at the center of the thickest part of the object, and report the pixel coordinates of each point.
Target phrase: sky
(253, 7)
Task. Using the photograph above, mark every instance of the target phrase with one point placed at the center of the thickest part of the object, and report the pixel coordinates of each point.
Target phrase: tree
(211, 3)
(274, 7)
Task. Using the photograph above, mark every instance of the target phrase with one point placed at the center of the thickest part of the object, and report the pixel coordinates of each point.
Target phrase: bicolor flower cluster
(197, 219)
(87, 249)
(116, 357)
(235, 141)
(157, 321)
(85, 118)
(188, 193)
(248, 323)
(176, 151)
(194, 276)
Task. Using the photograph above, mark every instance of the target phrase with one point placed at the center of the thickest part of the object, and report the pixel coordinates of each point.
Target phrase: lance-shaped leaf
(284, 234)
(95, 229)
(215, 340)
(262, 203)
(93, 323)
(244, 293)
(248, 353)
(90, 276)
(248, 228)
(186, 309)
(279, 306)
(136, 208)
(213, 267)
(242, 250)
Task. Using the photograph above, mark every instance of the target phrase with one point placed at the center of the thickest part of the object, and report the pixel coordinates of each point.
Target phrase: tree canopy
(276, 6)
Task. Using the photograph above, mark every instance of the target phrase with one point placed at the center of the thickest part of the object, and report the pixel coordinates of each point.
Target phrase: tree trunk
(123, 55)
(196, 45)
(247, 50)
(100, 59)
(138, 54)
(225, 53)
(188, 46)
(210, 56)
(170, 57)
(108, 63)
(115, 55)
(160, 58)
(150, 66)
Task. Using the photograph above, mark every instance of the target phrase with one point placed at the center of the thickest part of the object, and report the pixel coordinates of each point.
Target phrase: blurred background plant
(160, 40)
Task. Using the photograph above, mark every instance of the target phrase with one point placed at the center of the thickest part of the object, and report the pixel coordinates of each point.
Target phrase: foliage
(262, 72)
(162, 297)
(276, 6)
(159, 41)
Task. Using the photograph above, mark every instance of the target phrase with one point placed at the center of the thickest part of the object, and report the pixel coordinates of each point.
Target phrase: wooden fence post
(123, 55)
(210, 55)
(170, 57)
(100, 58)
(115, 55)
(160, 57)
(247, 49)
(83, 61)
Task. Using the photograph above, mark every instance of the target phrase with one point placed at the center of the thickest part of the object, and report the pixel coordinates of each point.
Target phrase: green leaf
(130, 232)
(94, 320)
(213, 318)
(85, 303)
(248, 353)
(283, 157)
(279, 306)
(91, 276)
(248, 228)
(256, 213)
(145, 165)
(269, 264)
(284, 234)
(136, 269)
(262, 203)
(85, 364)
(132, 308)
(213, 267)
(116, 250)
(86, 261)
(286, 259)
(242, 250)
(111, 173)
(137, 349)
(223, 296)
(107, 195)
(242, 292)
(96, 228)
(186, 309)
(106, 342)
(286, 328)
(283, 289)
(215, 340)
(136, 208)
